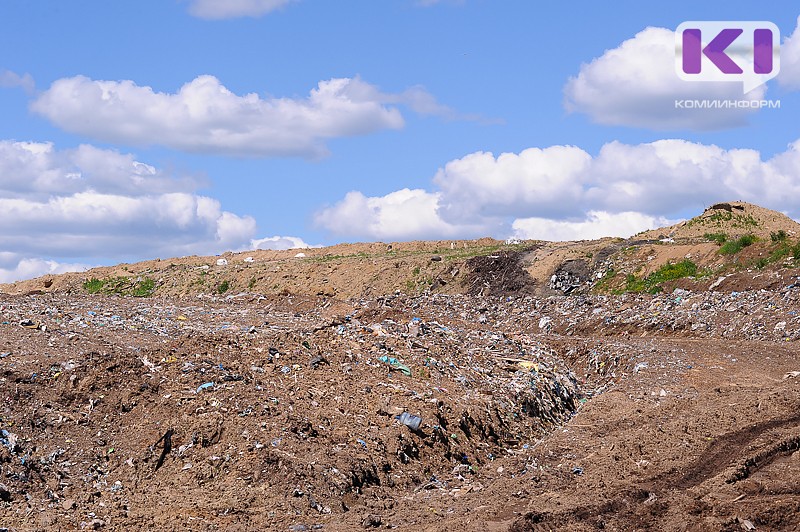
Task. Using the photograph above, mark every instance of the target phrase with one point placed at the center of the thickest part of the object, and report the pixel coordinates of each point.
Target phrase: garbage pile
(329, 409)
(306, 407)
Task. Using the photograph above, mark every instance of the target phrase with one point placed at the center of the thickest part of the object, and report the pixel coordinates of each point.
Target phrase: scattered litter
(205, 386)
(396, 364)
(411, 421)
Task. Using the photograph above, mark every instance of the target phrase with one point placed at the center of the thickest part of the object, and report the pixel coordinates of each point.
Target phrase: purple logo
(728, 51)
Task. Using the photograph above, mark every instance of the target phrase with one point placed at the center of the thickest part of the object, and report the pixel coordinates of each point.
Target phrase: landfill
(429, 412)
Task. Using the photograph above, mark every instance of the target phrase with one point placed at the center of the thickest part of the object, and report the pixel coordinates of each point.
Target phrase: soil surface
(634, 412)
(465, 385)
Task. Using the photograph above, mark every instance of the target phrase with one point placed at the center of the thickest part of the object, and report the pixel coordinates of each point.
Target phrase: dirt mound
(284, 412)
(734, 218)
(499, 274)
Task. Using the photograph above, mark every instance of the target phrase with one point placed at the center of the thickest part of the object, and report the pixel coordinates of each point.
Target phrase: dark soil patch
(501, 274)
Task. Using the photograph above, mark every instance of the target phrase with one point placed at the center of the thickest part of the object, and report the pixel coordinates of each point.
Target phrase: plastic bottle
(410, 420)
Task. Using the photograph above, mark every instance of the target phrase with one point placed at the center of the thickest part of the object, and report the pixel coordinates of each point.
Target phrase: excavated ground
(668, 412)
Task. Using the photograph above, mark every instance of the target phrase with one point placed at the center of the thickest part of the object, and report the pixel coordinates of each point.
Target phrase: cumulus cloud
(533, 181)
(31, 268)
(38, 170)
(278, 243)
(225, 9)
(12, 79)
(789, 76)
(205, 117)
(636, 85)
(563, 191)
(60, 208)
(401, 215)
(597, 224)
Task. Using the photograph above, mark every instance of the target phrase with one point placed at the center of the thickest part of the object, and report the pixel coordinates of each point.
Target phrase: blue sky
(134, 130)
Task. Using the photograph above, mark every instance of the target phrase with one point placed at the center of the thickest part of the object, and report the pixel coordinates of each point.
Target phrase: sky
(163, 128)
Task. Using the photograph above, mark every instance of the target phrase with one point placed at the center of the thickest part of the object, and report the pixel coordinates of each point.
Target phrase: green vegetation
(122, 285)
(144, 288)
(667, 272)
(735, 246)
(719, 238)
(252, 283)
(781, 250)
(223, 287)
(779, 236)
(725, 217)
(93, 285)
(604, 283)
(447, 254)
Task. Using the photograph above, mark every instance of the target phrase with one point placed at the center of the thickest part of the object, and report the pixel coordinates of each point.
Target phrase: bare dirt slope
(543, 398)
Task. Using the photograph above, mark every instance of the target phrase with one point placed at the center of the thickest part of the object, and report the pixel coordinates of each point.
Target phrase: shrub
(144, 288)
(93, 285)
(719, 238)
(223, 287)
(667, 272)
(779, 236)
(123, 286)
(735, 246)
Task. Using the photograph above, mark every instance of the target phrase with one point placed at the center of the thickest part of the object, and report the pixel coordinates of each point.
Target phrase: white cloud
(204, 116)
(59, 209)
(636, 85)
(597, 224)
(789, 76)
(401, 215)
(562, 191)
(224, 9)
(31, 268)
(12, 79)
(278, 243)
(535, 180)
(38, 170)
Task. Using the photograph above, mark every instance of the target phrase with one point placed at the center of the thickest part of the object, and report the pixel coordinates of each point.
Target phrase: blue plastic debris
(205, 386)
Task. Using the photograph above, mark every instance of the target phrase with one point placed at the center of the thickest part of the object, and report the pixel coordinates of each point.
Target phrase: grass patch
(778, 236)
(719, 238)
(93, 285)
(144, 288)
(223, 287)
(667, 272)
(122, 286)
(725, 217)
(735, 246)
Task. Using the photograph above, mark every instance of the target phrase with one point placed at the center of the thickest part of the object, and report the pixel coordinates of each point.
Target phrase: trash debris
(411, 421)
(396, 364)
(745, 524)
(29, 324)
(205, 386)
